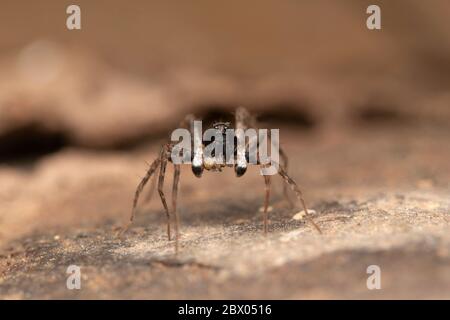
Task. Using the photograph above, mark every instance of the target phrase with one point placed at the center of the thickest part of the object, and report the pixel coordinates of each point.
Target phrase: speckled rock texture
(363, 116)
(381, 198)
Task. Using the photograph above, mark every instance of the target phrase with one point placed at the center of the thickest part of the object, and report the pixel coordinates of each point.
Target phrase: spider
(243, 120)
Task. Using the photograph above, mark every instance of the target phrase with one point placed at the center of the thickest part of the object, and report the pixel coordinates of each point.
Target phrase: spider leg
(266, 201)
(285, 161)
(151, 190)
(162, 173)
(243, 120)
(282, 172)
(176, 180)
(139, 189)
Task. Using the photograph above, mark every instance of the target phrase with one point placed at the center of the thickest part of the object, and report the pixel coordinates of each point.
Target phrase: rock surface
(381, 198)
(363, 116)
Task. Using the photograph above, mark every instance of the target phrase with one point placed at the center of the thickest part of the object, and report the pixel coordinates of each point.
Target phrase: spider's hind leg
(151, 190)
(284, 159)
(151, 170)
(162, 173)
(282, 172)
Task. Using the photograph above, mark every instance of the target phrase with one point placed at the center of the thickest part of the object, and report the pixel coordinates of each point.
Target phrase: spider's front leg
(176, 180)
(266, 201)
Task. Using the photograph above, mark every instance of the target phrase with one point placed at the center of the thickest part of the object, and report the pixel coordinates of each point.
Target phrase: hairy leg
(176, 180)
(282, 172)
(245, 120)
(139, 189)
(151, 190)
(284, 163)
(162, 173)
(161, 162)
(266, 201)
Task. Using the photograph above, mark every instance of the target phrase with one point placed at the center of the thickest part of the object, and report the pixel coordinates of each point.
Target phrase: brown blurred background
(139, 67)
(364, 115)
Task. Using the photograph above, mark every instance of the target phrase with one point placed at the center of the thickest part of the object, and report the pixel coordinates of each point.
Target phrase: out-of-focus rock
(68, 91)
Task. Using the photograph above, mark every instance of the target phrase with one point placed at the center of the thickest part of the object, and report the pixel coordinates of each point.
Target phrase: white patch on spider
(269, 208)
(209, 162)
(300, 215)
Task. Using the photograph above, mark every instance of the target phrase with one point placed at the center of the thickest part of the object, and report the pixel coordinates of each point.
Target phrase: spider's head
(222, 126)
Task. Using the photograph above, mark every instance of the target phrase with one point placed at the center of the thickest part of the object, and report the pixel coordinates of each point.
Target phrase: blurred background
(134, 70)
(361, 111)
